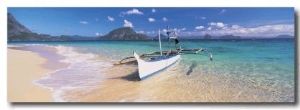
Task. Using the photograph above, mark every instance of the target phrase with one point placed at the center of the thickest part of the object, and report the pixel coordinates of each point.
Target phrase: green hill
(17, 31)
(124, 33)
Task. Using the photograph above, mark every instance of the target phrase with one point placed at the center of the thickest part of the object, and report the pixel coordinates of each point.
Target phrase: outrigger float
(151, 63)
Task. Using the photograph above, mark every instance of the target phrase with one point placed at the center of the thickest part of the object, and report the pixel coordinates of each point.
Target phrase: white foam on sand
(83, 74)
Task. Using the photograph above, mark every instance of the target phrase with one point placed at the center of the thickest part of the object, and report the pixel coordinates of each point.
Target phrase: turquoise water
(263, 62)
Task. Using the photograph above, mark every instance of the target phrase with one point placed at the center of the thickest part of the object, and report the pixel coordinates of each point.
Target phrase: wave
(84, 73)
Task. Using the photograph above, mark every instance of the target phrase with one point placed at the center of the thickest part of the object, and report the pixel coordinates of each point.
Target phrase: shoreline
(89, 80)
(24, 67)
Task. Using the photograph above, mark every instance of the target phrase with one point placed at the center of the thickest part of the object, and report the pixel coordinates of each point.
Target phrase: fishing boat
(148, 68)
(151, 63)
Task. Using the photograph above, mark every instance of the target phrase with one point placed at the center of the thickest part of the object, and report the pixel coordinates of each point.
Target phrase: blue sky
(188, 21)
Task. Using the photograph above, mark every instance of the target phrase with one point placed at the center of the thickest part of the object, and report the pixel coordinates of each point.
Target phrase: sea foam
(84, 73)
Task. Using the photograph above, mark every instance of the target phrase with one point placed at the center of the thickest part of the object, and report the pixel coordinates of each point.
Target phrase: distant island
(230, 37)
(18, 32)
(284, 36)
(162, 36)
(207, 36)
(124, 33)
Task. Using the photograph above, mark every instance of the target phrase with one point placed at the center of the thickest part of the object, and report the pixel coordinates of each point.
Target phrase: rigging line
(192, 44)
(197, 45)
(189, 43)
(185, 42)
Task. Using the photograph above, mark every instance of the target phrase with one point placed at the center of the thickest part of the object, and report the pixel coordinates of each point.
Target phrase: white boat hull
(148, 68)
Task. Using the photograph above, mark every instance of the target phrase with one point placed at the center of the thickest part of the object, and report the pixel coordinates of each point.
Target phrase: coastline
(90, 77)
(23, 67)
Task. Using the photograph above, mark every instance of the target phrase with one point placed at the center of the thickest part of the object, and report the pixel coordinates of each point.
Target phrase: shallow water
(242, 71)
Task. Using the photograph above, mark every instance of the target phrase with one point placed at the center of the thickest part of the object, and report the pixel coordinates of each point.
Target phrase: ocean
(249, 70)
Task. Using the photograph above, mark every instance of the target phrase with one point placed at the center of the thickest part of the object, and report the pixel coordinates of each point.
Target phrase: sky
(187, 21)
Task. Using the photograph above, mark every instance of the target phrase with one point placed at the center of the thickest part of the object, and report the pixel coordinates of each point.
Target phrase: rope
(190, 44)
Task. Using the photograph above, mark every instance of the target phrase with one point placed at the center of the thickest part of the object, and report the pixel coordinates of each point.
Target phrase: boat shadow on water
(191, 68)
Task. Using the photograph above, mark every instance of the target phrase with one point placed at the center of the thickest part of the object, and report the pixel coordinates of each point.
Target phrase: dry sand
(23, 68)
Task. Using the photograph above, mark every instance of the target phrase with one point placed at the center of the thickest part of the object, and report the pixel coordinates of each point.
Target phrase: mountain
(124, 33)
(230, 37)
(14, 27)
(207, 36)
(162, 36)
(284, 36)
(17, 31)
(78, 37)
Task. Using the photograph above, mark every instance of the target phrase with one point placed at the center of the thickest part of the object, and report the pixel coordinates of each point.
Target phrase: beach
(84, 72)
(23, 68)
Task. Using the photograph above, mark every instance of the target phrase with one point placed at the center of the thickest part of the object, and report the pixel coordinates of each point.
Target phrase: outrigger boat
(158, 61)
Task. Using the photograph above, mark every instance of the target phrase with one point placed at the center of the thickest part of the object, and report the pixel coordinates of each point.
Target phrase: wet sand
(23, 68)
(121, 85)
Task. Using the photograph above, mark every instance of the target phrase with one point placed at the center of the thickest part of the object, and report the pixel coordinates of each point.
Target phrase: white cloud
(199, 27)
(217, 25)
(220, 25)
(110, 18)
(165, 19)
(133, 11)
(237, 30)
(141, 32)
(223, 11)
(151, 32)
(127, 23)
(98, 34)
(83, 22)
(153, 10)
(235, 26)
(151, 19)
(175, 29)
(201, 17)
(265, 31)
(165, 30)
(212, 24)
(209, 28)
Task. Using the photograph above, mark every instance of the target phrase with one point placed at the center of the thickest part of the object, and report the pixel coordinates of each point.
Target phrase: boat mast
(168, 32)
(176, 40)
(159, 42)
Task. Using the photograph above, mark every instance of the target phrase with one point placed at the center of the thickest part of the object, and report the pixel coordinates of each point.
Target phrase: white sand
(23, 68)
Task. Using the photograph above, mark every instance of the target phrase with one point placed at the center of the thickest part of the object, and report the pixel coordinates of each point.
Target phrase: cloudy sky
(189, 21)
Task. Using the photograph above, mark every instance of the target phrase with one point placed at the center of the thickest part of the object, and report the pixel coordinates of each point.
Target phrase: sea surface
(253, 70)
